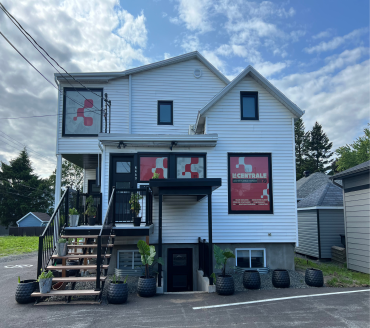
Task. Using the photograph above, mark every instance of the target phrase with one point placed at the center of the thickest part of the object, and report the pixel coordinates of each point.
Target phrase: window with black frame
(165, 113)
(249, 105)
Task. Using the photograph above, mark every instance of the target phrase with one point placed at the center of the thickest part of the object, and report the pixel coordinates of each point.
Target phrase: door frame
(170, 270)
(112, 155)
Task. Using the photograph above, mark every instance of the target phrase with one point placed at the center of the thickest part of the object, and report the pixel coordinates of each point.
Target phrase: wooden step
(72, 302)
(84, 236)
(78, 279)
(75, 256)
(75, 267)
(88, 246)
(69, 292)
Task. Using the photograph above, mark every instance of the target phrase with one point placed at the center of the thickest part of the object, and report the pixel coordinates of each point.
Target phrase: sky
(315, 52)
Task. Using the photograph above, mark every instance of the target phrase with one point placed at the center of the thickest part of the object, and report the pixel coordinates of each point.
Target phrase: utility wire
(20, 184)
(8, 192)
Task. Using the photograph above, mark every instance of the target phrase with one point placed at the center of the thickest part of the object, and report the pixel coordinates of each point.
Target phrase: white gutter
(321, 208)
(129, 104)
(157, 137)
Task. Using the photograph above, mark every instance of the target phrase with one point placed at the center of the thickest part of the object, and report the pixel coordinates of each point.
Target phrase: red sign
(149, 165)
(249, 183)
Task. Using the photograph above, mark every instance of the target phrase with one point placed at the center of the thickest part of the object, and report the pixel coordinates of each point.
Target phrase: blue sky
(315, 52)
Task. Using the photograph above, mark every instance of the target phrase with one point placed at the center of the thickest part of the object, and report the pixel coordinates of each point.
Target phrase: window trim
(133, 268)
(151, 154)
(250, 256)
(269, 157)
(65, 90)
(158, 116)
(251, 94)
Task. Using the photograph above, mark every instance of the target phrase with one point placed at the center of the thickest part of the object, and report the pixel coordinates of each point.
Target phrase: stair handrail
(106, 226)
(51, 232)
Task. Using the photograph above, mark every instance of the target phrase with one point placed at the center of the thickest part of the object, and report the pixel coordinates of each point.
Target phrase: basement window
(248, 105)
(165, 113)
(250, 257)
(129, 263)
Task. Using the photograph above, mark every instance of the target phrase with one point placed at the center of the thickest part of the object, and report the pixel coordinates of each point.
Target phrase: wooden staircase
(81, 251)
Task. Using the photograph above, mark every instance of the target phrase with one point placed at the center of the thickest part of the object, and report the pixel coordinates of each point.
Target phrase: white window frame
(250, 256)
(127, 251)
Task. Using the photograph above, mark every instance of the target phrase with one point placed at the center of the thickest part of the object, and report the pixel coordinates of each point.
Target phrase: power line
(8, 192)
(20, 184)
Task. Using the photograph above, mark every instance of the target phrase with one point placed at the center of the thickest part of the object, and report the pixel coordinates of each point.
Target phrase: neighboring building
(320, 218)
(34, 219)
(356, 184)
(310, 183)
(224, 152)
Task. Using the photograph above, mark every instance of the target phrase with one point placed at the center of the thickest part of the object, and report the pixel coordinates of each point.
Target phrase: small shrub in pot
(135, 207)
(251, 279)
(45, 280)
(224, 283)
(280, 278)
(24, 290)
(73, 217)
(62, 247)
(91, 210)
(147, 284)
(314, 277)
(117, 291)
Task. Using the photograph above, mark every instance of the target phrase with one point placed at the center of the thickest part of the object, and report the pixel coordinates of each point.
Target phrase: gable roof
(42, 217)
(360, 168)
(328, 195)
(307, 185)
(261, 80)
(104, 77)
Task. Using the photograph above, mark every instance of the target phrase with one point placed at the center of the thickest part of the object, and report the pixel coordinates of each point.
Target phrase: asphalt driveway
(177, 310)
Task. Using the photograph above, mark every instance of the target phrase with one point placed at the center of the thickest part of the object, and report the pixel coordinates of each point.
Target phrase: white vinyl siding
(89, 174)
(308, 233)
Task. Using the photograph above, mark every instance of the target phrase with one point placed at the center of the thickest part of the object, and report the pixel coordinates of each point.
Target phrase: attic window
(165, 113)
(248, 105)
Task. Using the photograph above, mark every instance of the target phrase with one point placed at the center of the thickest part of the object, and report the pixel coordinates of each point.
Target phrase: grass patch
(336, 274)
(13, 245)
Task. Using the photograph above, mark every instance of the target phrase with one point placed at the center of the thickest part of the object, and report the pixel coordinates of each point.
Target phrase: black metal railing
(133, 203)
(104, 238)
(82, 207)
(204, 257)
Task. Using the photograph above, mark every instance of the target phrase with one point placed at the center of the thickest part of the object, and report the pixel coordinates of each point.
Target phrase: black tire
(225, 285)
(24, 291)
(314, 277)
(251, 279)
(146, 287)
(117, 293)
(280, 278)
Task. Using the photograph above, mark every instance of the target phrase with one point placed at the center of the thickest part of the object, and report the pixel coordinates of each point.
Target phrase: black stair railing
(204, 256)
(104, 238)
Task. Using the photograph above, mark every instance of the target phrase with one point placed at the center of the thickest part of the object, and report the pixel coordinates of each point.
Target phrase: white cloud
(324, 34)
(335, 42)
(133, 29)
(268, 69)
(164, 14)
(190, 43)
(167, 55)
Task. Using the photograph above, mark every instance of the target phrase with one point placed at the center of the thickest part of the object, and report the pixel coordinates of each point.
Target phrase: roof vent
(197, 73)
(306, 173)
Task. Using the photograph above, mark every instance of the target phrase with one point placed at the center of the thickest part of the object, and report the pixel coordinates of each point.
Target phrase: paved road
(345, 310)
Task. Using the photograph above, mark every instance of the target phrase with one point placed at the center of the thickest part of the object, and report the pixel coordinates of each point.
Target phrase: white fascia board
(28, 215)
(157, 137)
(321, 208)
(293, 108)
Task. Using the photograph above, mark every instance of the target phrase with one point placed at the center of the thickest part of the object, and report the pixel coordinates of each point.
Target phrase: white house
(224, 152)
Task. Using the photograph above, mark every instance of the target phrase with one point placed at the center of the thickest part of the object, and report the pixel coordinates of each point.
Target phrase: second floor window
(249, 105)
(165, 113)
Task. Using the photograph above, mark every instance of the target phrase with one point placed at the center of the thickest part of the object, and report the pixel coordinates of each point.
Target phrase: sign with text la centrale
(82, 111)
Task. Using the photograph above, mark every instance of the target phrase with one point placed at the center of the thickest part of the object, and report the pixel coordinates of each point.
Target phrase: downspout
(129, 104)
(295, 183)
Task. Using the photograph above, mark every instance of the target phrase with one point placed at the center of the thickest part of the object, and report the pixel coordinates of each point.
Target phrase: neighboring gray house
(320, 219)
(34, 219)
(309, 183)
(357, 215)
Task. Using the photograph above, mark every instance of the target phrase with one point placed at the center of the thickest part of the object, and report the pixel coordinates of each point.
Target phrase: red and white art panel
(149, 165)
(249, 183)
(190, 167)
(82, 116)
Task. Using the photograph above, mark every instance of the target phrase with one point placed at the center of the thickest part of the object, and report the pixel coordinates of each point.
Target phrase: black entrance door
(180, 270)
(122, 177)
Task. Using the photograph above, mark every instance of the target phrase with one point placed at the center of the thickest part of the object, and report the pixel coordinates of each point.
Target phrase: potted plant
(45, 279)
(24, 290)
(314, 277)
(135, 207)
(118, 291)
(155, 175)
(146, 285)
(91, 211)
(73, 217)
(62, 247)
(251, 279)
(224, 282)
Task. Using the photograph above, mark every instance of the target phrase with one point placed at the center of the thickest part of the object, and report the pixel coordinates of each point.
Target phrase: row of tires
(280, 279)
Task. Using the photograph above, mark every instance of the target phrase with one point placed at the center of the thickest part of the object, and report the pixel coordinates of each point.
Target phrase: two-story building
(224, 153)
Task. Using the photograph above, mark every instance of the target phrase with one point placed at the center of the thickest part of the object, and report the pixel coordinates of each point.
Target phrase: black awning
(186, 187)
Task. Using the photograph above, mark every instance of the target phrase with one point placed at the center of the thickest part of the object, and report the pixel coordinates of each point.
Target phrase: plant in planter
(251, 279)
(73, 217)
(224, 282)
(314, 277)
(155, 175)
(62, 247)
(118, 291)
(91, 211)
(24, 290)
(146, 285)
(135, 207)
(45, 279)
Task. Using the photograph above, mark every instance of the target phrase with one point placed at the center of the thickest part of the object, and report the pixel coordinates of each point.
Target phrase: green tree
(318, 150)
(301, 138)
(22, 191)
(354, 154)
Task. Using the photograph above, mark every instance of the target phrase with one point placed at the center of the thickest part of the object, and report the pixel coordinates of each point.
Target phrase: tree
(22, 191)
(354, 154)
(318, 150)
(301, 138)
